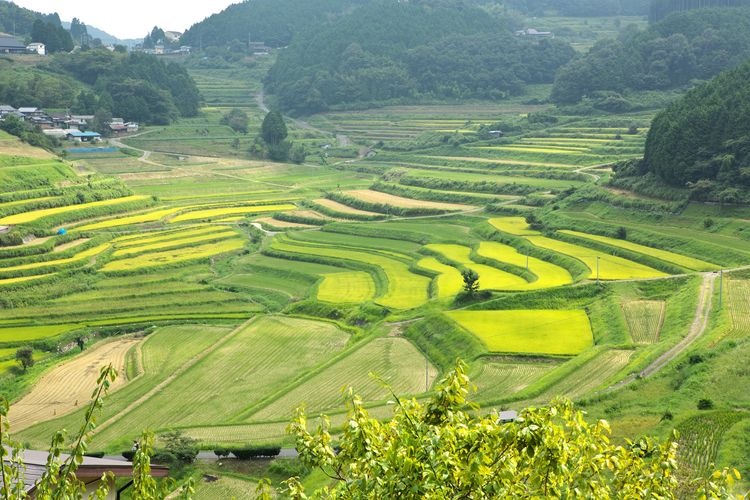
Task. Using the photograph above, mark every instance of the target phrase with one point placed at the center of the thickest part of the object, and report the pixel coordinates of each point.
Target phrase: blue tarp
(62, 231)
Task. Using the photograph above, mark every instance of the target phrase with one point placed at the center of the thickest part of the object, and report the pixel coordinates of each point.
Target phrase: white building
(38, 48)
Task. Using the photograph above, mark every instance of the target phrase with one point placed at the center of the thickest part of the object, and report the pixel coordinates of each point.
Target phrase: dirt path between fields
(697, 328)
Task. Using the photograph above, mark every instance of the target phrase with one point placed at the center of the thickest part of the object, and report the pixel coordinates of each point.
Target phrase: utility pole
(721, 286)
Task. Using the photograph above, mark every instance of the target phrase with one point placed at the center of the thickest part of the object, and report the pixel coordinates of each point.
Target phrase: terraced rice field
(162, 354)
(564, 332)
(352, 287)
(394, 360)
(369, 196)
(81, 256)
(170, 257)
(549, 275)
(644, 318)
(700, 437)
(738, 300)
(175, 243)
(35, 332)
(490, 278)
(256, 360)
(603, 266)
(68, 386)
(590, 376)
(501, 377)
(513, 225)
(223, 488)
(449, 280)
(213, 213)
(404, 289)
(671, 257)
(35, 215)
(153, 216)
(340, 207)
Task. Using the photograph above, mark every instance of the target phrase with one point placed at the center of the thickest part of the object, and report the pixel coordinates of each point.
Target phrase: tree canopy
(696, 44)
(390, 51)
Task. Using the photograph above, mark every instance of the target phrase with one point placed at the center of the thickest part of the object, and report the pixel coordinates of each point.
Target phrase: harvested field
(340, 207)
(70, 244)
(370, 196)
(68, 387)
(281, 224)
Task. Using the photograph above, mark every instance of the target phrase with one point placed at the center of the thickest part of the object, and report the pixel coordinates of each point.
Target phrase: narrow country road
(697, 327)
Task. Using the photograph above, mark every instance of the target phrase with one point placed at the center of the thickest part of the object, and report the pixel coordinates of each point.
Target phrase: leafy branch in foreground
(59, 479)
(441, 450)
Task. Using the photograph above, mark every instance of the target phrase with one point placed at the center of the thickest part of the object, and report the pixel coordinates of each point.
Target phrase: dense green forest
(135, 86)
(697, 44)
(390, 51)
(19, 21)
(274, 22)
(580, 8)
(662, 8)
(705, 136)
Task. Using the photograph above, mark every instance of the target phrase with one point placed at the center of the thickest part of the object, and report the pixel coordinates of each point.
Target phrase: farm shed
(90, 471)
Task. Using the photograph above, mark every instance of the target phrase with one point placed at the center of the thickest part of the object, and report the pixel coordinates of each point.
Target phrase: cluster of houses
(66, 125)
(11, 45)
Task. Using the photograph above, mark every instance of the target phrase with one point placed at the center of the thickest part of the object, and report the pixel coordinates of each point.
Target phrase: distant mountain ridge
(105, 37)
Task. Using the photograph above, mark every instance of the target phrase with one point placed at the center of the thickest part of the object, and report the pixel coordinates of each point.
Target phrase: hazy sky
(131, 18)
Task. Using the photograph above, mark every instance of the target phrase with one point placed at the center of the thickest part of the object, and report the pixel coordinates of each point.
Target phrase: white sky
(131, 18)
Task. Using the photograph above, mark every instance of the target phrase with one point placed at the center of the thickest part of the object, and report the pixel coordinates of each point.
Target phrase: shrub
(250, 452)
(705, 404)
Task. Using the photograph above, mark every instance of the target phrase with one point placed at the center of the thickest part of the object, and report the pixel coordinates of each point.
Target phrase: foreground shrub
(441, 450)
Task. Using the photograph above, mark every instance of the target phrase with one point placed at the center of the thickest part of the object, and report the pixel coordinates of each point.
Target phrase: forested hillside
(388, 51)
(662, 8)
(688, 45)
(705, 136)
(271, 21)
(581, 8)
(19, 21)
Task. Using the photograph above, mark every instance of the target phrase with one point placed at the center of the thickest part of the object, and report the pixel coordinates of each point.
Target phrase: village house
(37, 48)
(6, 110)
(78, 136)
(11, 45)
(531, 32)
(90, 472)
